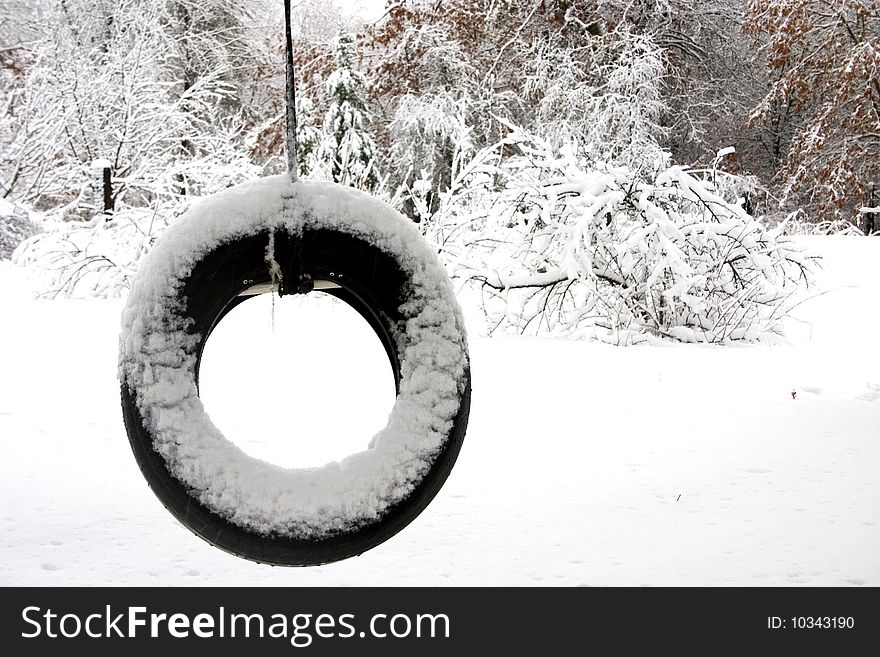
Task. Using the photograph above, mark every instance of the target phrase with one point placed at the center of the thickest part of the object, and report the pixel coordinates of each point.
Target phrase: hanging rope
(284, 254)
(290, 136)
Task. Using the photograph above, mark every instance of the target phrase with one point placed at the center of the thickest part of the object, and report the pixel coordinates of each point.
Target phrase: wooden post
(108, 191)
(102, 170)
(871, 216)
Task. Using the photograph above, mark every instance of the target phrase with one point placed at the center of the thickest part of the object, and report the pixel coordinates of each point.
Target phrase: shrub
(571, 247)
(16, 225)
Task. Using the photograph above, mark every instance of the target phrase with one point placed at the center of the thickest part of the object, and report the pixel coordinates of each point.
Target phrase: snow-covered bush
(16, 225)
(75, 259)
(426, 136)
(799, 223)
(563, 248)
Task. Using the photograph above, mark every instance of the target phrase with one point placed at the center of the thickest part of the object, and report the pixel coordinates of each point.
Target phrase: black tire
(373, 284)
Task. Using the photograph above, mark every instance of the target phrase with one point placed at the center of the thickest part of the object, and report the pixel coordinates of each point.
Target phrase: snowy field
(584, 464)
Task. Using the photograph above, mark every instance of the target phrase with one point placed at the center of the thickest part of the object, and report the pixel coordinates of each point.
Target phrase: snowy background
(653, 209)
(584, 463)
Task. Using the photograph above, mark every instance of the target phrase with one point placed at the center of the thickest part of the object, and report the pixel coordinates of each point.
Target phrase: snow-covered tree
(348, 147)
(443, 74)
(711, 79)
(608, 100)
(430, 127)
(137, 85)
(429, 135)
(308, 139)
(28, 140)
(825, 56)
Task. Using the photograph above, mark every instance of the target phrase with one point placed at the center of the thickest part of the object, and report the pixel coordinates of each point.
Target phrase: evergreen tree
(348, 147)
(308, 139)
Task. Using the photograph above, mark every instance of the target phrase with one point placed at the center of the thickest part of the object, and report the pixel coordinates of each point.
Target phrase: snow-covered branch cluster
(98, 258)
(16, 225)
(569, 248)
(608, 100)
(153, 88)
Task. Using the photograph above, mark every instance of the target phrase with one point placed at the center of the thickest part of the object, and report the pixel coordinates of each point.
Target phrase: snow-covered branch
(572, 248)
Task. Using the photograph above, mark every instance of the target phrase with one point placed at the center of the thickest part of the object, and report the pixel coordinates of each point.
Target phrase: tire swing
(279, 234)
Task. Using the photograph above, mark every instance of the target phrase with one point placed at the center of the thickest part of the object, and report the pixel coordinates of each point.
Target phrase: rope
(288, 276)
(290, 136)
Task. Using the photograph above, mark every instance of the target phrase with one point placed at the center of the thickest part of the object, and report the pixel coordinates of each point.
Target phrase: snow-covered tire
(196, 273)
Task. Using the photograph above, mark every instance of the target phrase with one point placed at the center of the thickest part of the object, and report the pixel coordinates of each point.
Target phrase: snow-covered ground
(583, 464)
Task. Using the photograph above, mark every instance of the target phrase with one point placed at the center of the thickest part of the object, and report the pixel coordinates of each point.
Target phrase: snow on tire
(353, 246)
